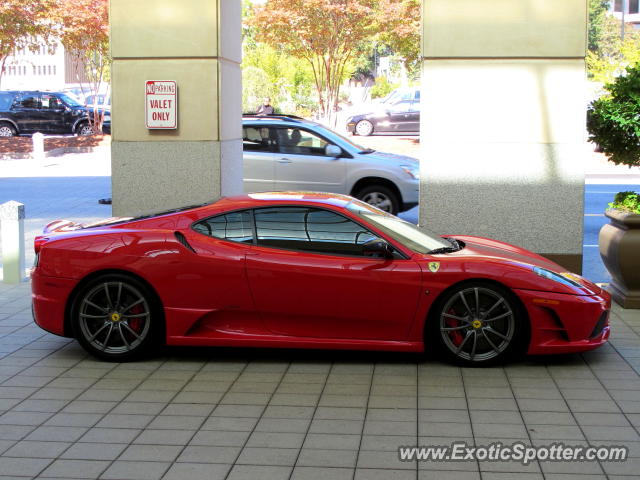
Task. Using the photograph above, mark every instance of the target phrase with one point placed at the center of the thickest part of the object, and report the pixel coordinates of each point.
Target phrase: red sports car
(309, 270)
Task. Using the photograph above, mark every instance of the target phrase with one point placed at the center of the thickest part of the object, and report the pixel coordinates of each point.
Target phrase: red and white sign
(161, 104)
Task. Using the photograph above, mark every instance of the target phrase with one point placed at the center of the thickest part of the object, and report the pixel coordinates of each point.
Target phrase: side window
(310, 229)
(301, 142)
(6, 99)
(235, 227)
(28, 101)
(51, 102)
(258, 139)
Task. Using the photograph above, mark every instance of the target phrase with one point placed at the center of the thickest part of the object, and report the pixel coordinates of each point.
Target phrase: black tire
(363, 128)
(381, 197)
(116, 318)
(7, 130)
(84, 129)
(499, 332)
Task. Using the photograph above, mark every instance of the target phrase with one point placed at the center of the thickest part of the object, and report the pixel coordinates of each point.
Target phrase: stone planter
(619, 243)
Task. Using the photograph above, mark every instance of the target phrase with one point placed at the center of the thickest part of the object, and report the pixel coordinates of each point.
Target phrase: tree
(613, 55)
(328, 35)
(24, 24)
(597, 16)
(398, 25)
(613, 121)
(83, 30)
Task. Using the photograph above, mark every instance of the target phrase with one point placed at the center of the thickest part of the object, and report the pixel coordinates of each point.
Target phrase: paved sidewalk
(265, 414)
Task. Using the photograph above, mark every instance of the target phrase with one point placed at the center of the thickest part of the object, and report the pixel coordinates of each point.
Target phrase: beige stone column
(503, 122)
(196, 43)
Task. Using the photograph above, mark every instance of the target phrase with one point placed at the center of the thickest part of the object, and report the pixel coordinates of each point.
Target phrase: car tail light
(38, 242)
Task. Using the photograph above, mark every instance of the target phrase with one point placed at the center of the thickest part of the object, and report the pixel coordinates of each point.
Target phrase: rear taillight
(38, 242)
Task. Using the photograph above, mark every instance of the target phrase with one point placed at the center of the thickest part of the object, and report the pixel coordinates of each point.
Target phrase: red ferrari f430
(305, 270)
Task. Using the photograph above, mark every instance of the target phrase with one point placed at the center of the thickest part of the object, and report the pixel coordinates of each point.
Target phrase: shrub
(626, 201)
(382, 88)
(613, 121)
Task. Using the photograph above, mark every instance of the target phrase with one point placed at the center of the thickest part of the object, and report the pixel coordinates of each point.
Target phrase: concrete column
(196, 43)
(503, 122)
(12, 234)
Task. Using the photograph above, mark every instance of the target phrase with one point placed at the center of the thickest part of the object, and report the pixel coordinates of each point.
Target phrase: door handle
(284, 160)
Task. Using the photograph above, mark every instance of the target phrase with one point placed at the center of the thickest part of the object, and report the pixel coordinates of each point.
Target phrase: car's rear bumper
(563, 323)
(49, 297)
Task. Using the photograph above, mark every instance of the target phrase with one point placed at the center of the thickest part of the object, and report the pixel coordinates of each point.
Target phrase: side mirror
(332, 151)
(377, 248)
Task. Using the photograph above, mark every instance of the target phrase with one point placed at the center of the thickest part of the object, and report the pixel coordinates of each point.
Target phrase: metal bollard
(38, 146)
(12, 234)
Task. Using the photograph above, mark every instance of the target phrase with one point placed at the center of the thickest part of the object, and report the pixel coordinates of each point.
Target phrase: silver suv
(283, 152)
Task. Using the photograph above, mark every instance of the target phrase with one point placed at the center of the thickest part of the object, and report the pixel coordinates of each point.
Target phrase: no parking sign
(161, 104)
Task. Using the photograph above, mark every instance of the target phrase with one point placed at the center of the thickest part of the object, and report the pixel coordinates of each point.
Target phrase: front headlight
(564, 279)
(413, 172)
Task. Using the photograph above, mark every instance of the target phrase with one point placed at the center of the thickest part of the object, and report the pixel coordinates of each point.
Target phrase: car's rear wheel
(381, 197)
(7, 130)
(116, 318)
(479, 324)
(364, 128)
(85, 129)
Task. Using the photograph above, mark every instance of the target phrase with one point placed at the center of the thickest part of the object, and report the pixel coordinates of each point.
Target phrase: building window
(633, 6)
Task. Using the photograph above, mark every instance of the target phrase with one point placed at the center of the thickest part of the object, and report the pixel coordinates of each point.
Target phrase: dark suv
(26, 112)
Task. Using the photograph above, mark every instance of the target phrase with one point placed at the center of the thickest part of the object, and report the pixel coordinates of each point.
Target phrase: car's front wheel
(479, 324)
(381, 197)
(364, 128)
(116, 318)
(7, 130)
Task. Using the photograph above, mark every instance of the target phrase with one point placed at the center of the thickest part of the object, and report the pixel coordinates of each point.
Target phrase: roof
(335, 199)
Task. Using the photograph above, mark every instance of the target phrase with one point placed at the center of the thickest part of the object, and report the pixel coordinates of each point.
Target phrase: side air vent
(181, 238)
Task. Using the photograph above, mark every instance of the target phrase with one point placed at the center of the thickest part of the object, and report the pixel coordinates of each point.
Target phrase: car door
(259, 151)
(413, 121)
(400, 116)
(26, 112)
(309, 278)
(53, 113)
(303, 163)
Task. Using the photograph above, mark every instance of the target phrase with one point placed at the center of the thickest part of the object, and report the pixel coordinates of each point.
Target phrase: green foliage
(613, 55)
(597, 15)
(382, 88)
(626, 201)
(613, 121)
(268, 72)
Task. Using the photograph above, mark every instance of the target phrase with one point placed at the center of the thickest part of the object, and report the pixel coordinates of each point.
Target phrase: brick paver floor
(270, 414)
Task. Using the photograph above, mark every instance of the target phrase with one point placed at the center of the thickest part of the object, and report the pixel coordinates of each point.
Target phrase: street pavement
(215, 413)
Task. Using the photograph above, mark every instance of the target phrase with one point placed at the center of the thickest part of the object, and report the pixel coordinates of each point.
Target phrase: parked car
(399, 112)
(305, 270)
(101, 101)
(27, 112)
(290, 153)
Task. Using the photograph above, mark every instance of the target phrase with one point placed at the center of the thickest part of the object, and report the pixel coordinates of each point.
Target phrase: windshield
(403, 232)
(69, 100)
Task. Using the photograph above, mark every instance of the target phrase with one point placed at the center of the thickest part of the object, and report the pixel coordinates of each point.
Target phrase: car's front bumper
(562, 323)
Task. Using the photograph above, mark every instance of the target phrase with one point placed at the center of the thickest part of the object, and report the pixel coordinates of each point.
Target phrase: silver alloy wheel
(364, 128)
(6, 131)
(85, 129)
(114, 317)
(379, 200)
(477, 324)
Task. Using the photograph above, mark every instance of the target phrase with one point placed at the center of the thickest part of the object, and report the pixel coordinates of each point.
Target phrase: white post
(38, 146)
(12, 234)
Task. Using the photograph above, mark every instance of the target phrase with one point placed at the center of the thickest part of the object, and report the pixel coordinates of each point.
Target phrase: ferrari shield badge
(434, 267)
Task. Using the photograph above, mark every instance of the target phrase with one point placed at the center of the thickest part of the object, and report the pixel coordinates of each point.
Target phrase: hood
(523, 263)
(394, 158)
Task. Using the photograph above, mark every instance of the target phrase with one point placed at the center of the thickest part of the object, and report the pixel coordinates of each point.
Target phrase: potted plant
(613, 122)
